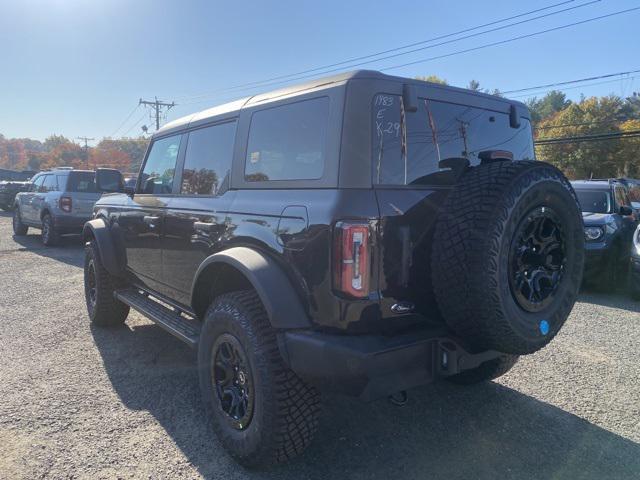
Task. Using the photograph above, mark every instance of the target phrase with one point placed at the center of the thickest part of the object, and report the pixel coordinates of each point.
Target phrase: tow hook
(399, 399)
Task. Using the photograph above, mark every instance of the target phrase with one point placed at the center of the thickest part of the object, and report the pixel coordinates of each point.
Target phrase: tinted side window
(288, 142)
(82, 182)
(160, 168)
(50, 184)
(208, 158)
(634, 193)
(37, 181)
(409, 145)
(621, 197)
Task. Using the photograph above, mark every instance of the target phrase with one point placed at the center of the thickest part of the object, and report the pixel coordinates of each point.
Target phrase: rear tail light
(65, 204)
(351, 259)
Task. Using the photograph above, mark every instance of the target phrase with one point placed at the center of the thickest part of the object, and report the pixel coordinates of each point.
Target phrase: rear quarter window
(288, 142)
(81, 182)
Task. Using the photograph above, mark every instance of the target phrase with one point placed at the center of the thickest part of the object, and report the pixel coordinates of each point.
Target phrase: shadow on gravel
(487, 431)
(5, 214)
(620, 300)
(70, 250)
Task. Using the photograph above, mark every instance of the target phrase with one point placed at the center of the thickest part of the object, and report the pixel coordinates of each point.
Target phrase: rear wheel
(99, 285)
(263, 413)
(19, 228)
(486, 371)
(49, 234)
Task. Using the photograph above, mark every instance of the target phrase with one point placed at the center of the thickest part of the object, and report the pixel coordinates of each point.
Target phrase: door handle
(206, 226)
(151, 221)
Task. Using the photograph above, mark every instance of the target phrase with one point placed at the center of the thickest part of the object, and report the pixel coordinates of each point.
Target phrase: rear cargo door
(81, 187)
(417, 157)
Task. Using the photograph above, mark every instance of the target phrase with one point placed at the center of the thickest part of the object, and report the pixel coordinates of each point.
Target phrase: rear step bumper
(364, 366)
(174, 321)
(375, 366)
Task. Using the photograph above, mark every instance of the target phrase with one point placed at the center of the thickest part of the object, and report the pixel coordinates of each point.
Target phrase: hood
(596, 218)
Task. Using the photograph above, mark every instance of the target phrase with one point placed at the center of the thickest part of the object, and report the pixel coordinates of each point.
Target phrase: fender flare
(278, 296)
(110, 255)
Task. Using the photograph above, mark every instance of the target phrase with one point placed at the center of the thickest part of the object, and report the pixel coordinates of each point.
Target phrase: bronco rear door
(420, 146)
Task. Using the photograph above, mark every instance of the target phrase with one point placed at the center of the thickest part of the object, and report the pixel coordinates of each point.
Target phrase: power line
(529, 95)
(480, 47)
(349, 63)
(568, 82)
(125, 120)
(157, 106)
(513, 39)
(595, 122)
(86, 148)
(589, 138)
(135, 124)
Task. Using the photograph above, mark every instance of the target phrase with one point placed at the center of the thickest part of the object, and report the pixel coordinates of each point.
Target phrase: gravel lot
(78, 402)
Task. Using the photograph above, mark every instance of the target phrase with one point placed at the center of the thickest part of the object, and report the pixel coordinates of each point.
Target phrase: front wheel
(19, 228)
(263, 413)
(99, 285)
(486, 371)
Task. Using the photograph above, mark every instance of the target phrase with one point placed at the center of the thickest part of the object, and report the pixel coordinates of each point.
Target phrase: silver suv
(58, 202)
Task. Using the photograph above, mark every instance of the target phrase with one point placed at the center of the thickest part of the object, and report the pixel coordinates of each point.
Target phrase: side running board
(177, 323)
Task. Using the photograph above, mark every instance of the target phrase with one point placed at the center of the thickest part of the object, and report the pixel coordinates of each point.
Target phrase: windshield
(594, 201)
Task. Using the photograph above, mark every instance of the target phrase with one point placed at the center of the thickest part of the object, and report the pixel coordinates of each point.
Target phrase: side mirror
(109, 180)
(625, 210)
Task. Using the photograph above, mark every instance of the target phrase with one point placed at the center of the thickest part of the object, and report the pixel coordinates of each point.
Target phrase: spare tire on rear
(508, 255)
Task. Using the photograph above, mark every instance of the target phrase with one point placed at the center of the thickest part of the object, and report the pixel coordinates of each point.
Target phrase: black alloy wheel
(537, 259)
(92, 287)
(232, 378)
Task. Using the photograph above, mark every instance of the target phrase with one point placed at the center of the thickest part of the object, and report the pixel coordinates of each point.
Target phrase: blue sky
(78, 67)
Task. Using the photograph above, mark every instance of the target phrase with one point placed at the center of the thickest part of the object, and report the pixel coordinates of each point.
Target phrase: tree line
(125, 154)
(553, 116)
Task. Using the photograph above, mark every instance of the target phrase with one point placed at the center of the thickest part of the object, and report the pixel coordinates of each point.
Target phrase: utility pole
(86, 149)
(157, 106)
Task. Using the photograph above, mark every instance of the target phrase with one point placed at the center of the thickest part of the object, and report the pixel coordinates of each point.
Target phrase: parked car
(15, 175)
(633, 191)
(358, 233)
(634, 273)
(58, 202)
(8, 191)
(609, 224)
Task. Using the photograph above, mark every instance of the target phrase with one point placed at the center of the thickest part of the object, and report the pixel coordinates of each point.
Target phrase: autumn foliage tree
(585, 159)
(56, 151)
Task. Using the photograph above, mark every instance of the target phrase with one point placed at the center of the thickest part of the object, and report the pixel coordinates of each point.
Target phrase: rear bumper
(69, 224)
(374, 366)
(7, 198)
(596, 260)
